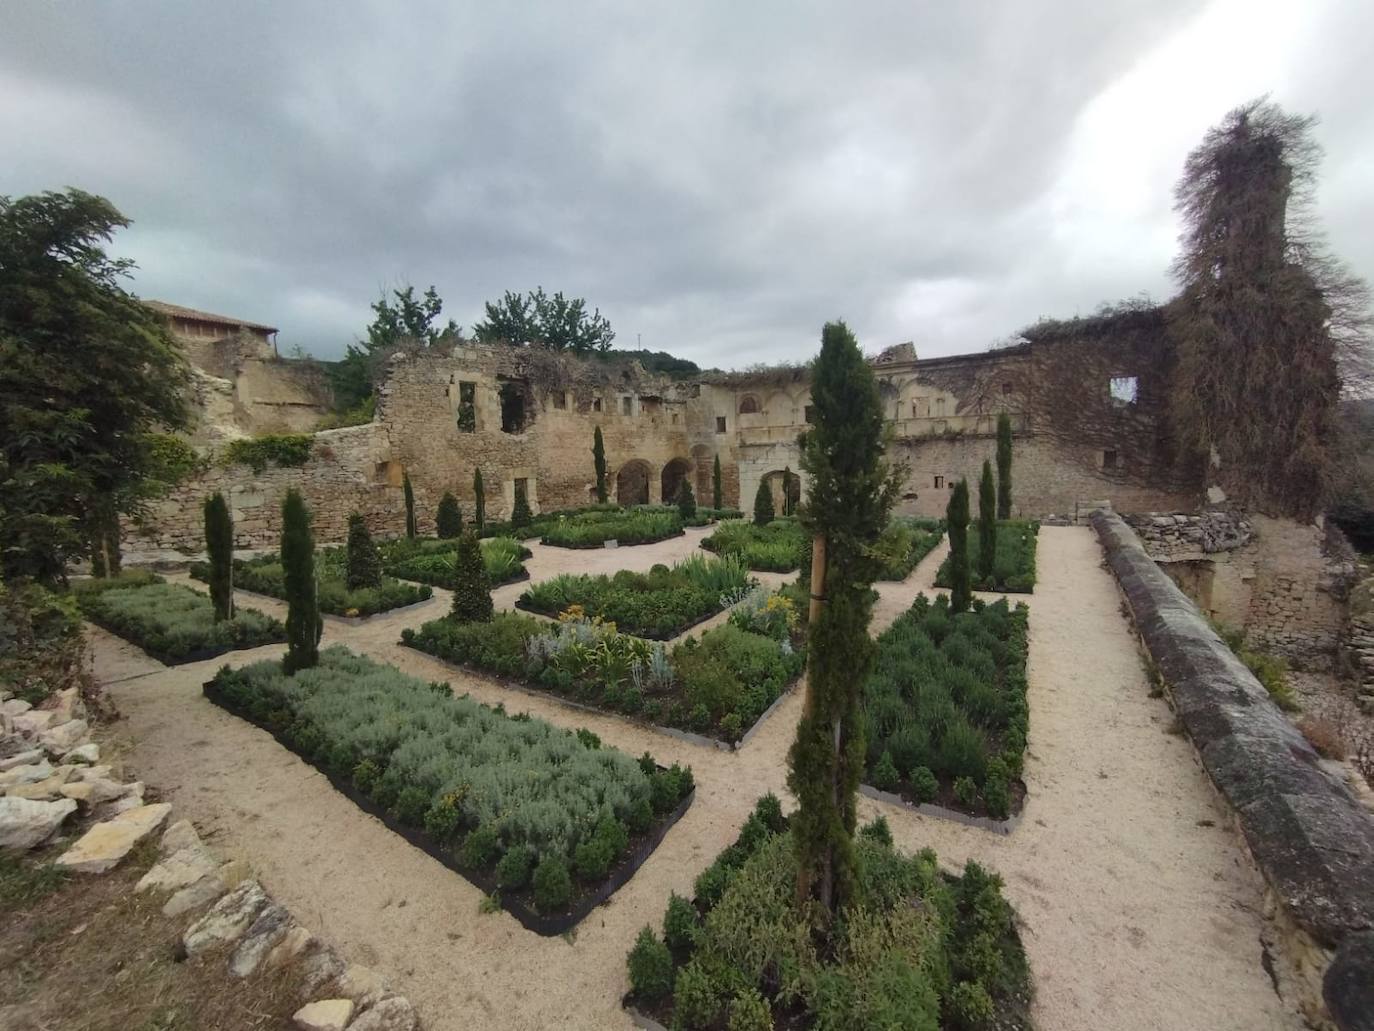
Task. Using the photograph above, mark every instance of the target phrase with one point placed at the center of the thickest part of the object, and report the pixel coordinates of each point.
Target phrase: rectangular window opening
(720, 424)
(467, 407)
(560, 399)
(809, 415)
(1110, 461)
(939, 482)
(627, 406)
(1124, 389)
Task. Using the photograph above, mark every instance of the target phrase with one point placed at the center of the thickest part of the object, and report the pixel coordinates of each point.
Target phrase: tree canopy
(405, 321)
(537, 318)
(91, 381)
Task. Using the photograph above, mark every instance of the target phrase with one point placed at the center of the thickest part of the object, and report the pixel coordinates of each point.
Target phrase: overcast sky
(718, 178)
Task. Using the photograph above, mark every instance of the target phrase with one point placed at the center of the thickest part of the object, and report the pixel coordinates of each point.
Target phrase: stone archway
(671, 479)
(632, 483)
(774, 480)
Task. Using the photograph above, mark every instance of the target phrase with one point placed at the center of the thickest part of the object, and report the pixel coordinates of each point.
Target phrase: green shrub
(997, 789)
(987, 525)
(471, 591)
(878, 830)
(966, 791)
(219, 547)
(442, 819)
(481, 847)
(1013, 569)
(365, 775)
(514, 869)
(287, 450)
(552, 884)
(749, 1011)
(885, 776)
(448, 520)
(479, 503)
(265, 575)
(686, 501)
(763, 505)
(680, 924)
(958, 561)
(364, 562)
(651, 967)
(592, 528)
(924, 786)
(408, 493)
(520, 511)
(696, 1001)
(769, 811)
(411, 806)
(904, 543)
(303, 623)
(777, 546)
(172, 620)
(970, 1005)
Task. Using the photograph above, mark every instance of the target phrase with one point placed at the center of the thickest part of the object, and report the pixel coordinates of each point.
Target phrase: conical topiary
(686, 501)
(1004, 466)
(303, 623)
(364, 561)
(763, 505)
(471, 588)
(717, 495)
(520, 512)
(410, 505)
(479, 495)
(599, 465)
(987, 523)
(956, 518)
(448, 520)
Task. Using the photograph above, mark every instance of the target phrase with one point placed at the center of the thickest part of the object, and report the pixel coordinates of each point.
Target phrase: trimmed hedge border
(611, 543)
(539, 923)
(939, 812)
(1312, 840)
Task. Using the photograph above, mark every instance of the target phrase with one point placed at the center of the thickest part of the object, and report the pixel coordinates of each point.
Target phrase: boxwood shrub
(172, 622)
(1014, 569)
(539, 810)
(944, 710)
(718, 684)
(919, 948)
(658, 604)
(264, 575)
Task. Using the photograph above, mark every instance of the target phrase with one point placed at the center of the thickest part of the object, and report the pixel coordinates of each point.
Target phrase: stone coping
(1312, 840)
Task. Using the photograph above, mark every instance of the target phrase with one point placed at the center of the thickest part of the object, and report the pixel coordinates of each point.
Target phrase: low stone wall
(1311, 839)
(1177, 536)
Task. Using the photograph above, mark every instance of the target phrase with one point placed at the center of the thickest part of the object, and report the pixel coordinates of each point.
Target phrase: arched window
(749, 405)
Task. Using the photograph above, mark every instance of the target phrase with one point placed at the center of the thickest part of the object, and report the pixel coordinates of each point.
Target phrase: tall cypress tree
(472, 589)
(410, 504)
(599, 464)
(520, 512)
(219, 548)
(850, 495)
(787, 498)
(717, 495)
(364, 561)
(303, 623)
(1004, 466)
(987, 523)
(763, 505)
(479, 494)
(448, 520)
(686, 501)
(956, 519)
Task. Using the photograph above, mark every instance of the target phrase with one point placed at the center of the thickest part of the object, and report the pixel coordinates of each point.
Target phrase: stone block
(25, 824)
(103, 846)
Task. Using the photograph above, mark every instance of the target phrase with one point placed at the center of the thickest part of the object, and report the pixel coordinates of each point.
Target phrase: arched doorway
(632, 483)
(785, 497)
(671, 480)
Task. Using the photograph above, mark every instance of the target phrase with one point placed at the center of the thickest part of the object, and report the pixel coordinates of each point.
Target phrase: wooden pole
(817, 576)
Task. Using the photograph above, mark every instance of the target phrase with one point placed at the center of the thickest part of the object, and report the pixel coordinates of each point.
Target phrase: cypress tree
(1004, 466)
(520, 511)
(686, 500)
(787, 506)
(987, 523)
(448, 521)
(763, 505)
(219, 548)
(479, 493)
(472, 589)
(599, 464)
(850, 496)
(956, 519)
(364, 561)
(303, 623)
(717, 496)
(410, 504)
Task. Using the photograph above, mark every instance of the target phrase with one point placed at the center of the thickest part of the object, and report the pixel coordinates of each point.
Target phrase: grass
(1014, 569)
(22, 884)
(1269, 670)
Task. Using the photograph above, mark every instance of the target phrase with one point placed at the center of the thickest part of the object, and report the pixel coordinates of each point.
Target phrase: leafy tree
(449, 519)
(536, 318)
(987, 523)
(520, 512)
(956, 525)
(479, 493)
(1263, 316)
(763, 504)
(409, 493)
(89, 378)
(303, 623)
(850, 495)
(219, 548)
(599, 465)
(472, 589)
(686, 501)
(408, 321)
(1004, 466)
(364, 561)
(717, 495)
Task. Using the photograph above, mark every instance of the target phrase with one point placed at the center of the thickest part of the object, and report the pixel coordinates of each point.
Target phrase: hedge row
(265, 575)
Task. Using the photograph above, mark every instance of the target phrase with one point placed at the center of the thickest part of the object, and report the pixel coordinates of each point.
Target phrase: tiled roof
(176, 311)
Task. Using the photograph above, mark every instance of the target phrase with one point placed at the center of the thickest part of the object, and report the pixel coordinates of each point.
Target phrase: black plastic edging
(539, 923)
(986, 823)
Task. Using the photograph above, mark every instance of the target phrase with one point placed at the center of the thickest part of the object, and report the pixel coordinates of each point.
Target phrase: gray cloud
(720, 178)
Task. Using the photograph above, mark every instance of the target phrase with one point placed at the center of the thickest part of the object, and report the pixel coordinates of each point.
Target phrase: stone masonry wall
(1307, 833)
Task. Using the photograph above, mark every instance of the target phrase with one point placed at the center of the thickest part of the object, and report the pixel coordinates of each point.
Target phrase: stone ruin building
(1086, 400)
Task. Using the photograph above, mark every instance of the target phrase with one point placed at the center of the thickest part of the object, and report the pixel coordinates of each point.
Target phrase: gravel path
(1139, 909)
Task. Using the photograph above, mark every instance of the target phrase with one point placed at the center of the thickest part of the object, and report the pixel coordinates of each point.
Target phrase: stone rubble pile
(1176, 535)
(1361, 642)
(50, 772)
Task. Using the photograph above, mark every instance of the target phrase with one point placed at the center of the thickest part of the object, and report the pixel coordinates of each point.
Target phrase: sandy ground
(1138, 907)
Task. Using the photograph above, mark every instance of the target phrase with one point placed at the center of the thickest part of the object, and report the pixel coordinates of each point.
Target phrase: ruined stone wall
(348, 472)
